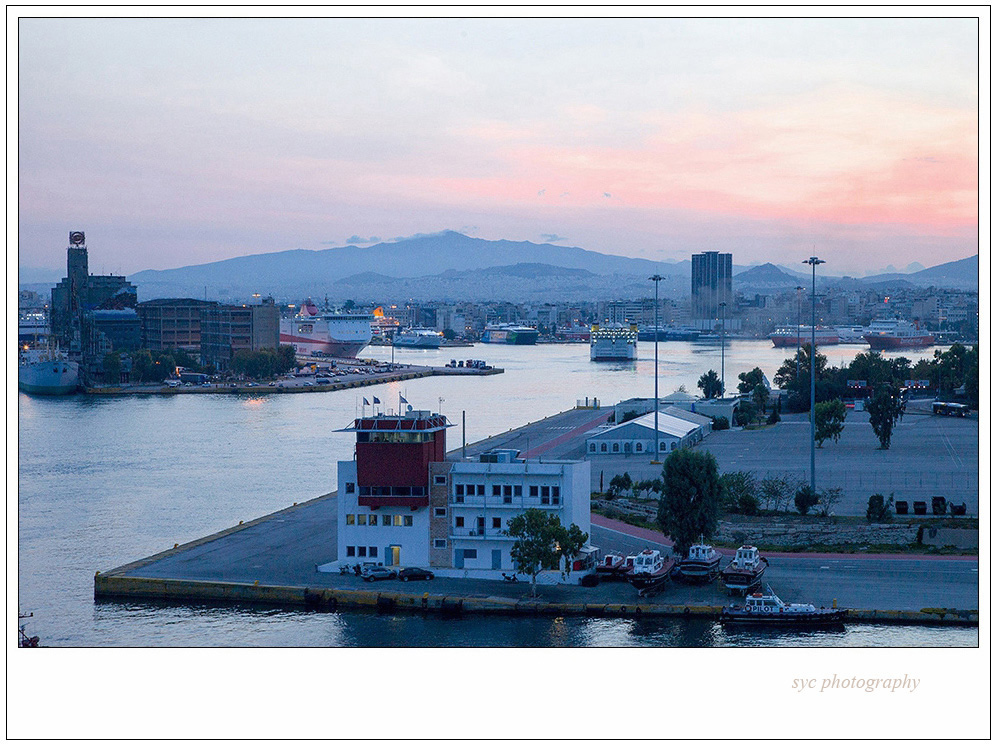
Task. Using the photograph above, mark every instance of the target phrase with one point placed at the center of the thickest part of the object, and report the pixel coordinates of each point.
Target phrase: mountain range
(452, 266)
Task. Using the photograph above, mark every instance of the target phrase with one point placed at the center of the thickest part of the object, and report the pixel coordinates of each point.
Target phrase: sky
(179, 142)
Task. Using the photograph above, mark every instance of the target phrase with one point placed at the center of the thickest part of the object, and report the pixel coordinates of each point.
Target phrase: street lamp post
(657, 279)
(813, 262)
(799, 312)
(723, 329)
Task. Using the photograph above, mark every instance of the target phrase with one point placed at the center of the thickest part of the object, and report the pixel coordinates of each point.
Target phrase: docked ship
(32, 327)
(701, 563)
(510, 334)
(894, 334)
(418, 337)
(614, 342)
(334, 333)
(745, 571)
(851, 334)
(789, 337)
(47, 371)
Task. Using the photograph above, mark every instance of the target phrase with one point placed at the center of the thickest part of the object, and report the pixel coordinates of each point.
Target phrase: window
(351, 519)
(640, 446)
(398, 520)
(362, 519)
(496, 523)
(534, 491)
(616, 447)
(439, 543)
(440, 480)
(351, 551)
(517, 490)
(458, 491)
(481, 490)
(555, 500)
(545, 491)
(555, 491)
(545, 501)
(351, 487)
(373, 520)
(362, 552)
(372, 552)
(663, 446)
(507, 491)
(472, 554)
(496, 490)
(458, 522)
(439, 511)
(591, 447)
(602, 448)
(407, 520)
(385, 521)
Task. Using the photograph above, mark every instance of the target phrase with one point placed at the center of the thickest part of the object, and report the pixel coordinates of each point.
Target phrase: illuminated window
(398, 520)
(351, 519)
(362, 519)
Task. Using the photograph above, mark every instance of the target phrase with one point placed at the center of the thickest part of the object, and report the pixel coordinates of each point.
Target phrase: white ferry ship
(333, 333)
(614, 342)
(46, 371)
(789, 337)
(893, 334)
(418, 337)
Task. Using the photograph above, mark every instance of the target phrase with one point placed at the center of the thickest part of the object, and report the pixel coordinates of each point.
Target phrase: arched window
(616, 447)
(640, 446)
(603, 447)
(591, 447)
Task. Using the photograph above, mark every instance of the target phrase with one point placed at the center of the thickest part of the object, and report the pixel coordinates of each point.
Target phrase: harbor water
(103, 481)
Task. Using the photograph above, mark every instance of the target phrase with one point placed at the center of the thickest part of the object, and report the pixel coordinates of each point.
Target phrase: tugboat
(700, 564)
(768, 609)
(650, 568)
(745, 571)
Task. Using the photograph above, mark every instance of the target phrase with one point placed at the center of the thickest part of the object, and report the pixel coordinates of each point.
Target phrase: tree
(827, 500)
(709, 382)
(141, 365)
(690, 500)
(829, 421)
(750, 380)
(760, 396)
(774, 416)
(542, 542)
(878, 510)
(112, 368)
(739, 490)
(885, 409)
(720, 423)
(745, 412)
(805, 499)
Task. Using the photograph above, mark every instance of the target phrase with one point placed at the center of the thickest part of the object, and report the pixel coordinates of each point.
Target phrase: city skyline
(177, 142)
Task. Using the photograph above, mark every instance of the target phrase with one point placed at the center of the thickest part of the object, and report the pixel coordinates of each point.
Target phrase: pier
(274, 560)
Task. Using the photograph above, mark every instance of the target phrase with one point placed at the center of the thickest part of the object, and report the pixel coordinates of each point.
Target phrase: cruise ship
(894, 334)
(510, 334)
(337, 334)
(789, 337)
(614, 342)
(46, 371)
(418, 337)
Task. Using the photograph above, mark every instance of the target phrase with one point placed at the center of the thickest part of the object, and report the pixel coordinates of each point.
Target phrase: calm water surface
(105, 481)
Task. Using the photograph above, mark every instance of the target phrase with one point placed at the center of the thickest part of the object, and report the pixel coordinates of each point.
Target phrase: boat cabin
(701, 552)
(746, 557)
(648, 561)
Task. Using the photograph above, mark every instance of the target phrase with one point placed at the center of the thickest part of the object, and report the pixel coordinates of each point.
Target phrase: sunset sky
(176, 142)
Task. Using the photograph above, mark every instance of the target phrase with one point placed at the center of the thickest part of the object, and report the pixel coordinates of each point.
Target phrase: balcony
(479, 534)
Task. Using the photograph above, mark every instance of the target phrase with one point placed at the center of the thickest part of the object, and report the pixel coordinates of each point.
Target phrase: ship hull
(890, 342)
(50, 379)
(793, 341)
(336, 335)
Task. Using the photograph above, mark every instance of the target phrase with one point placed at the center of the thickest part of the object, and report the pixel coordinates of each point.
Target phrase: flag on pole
(402, 399)
(366, 402)
(377, 401)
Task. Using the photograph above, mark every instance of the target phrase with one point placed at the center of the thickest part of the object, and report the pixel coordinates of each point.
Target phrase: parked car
(378, 573)
(415, 574)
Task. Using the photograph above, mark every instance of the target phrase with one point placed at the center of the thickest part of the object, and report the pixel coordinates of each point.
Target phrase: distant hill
(962, 274)
(764, 278)
(301, 272)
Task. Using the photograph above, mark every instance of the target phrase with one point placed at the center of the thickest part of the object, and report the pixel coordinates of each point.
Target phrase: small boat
(768, 609)
(611, 565)
(745, 571)
(650, 568)
(701, 563)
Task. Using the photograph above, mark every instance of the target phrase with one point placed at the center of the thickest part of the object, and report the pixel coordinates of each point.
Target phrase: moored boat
(419, 337)
(613, 342)
(791, 337)
(611, 565)
(768, 609)
(47, 371)
(510, 334)
(701, 563)
(333, 333)
(894, 334)
(650, 568)
(745, 571)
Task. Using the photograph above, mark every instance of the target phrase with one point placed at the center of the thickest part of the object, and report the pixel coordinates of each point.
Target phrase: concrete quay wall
(112, 585)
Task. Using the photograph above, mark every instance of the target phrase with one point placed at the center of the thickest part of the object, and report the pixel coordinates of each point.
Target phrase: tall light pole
(813, 262)
(657, 279)
(799, 312)
(723, 328)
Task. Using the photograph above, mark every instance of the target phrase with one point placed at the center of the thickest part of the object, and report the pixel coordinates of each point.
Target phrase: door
(458, 558)
(496, 559)
(395, 553)
(481, 526)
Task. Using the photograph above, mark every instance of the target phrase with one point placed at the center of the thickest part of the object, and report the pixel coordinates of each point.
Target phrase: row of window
(392, 492)
(353, 551)
(387, 520)
(496, 522)
(626, 447)
(505, 491)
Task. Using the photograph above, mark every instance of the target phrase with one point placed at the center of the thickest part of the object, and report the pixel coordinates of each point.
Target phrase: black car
(415, 574)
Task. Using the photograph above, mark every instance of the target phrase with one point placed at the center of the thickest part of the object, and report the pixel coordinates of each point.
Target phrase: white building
(677, 429)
